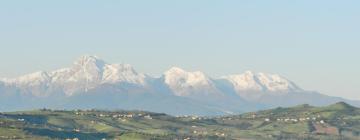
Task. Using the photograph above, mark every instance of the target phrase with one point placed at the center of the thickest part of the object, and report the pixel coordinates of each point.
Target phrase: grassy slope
(339, 121)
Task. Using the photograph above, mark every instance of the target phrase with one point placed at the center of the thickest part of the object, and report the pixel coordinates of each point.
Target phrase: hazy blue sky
(315, 43)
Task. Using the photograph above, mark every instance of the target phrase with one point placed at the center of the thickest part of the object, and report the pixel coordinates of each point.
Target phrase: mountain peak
(184, 83)
(261, 82)
(88, 57)
(122, 72)
(181, 73)
(90, 60)
(248, 72)
(245, 81)
(275, 82)
(176, 70)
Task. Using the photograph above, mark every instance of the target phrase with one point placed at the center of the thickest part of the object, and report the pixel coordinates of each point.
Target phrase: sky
(313, 43)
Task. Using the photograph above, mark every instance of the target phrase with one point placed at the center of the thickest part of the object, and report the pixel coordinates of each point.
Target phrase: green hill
(337, 121)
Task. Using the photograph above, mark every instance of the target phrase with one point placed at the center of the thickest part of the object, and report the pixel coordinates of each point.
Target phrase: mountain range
(92, 83)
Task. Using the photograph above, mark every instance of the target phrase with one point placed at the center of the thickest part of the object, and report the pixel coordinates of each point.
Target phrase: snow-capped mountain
(251, 86)
(92, 83)
(261, 82)
(184, 83)
(86, 73)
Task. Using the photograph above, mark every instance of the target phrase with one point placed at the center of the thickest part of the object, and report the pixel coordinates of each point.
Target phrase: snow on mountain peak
(182, 77)
(89, 72)
(86, 73)
(261, 82)
(89, 62)
(89, 59)
(176, 70)
(88, 69)
(242, 82)
(33, 78)
(33, 83)
(249, 73)
(122, 73)
(184, 83)
(275, 82)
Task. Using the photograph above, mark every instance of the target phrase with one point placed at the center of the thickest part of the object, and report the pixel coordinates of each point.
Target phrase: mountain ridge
(93, 69)
(92, 78)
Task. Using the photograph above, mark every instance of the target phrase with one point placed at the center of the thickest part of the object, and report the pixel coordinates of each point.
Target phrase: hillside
(335, 121)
